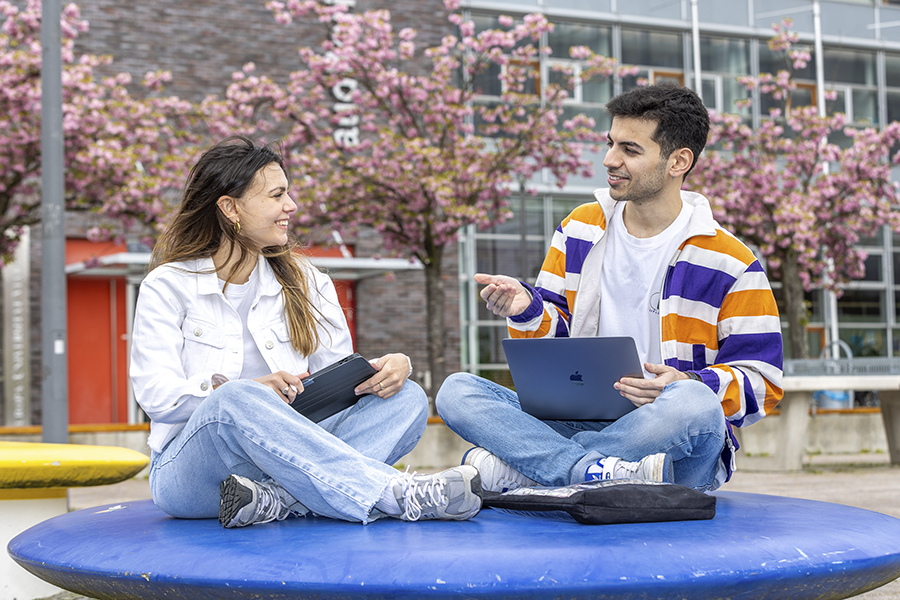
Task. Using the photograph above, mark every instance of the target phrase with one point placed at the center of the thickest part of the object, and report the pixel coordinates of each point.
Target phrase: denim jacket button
(198, 332)
(204, 386)
(270, 344)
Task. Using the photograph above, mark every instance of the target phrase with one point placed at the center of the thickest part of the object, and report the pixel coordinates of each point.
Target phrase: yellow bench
(34, 479)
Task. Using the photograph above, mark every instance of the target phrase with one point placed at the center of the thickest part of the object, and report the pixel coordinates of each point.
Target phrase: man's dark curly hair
(681, 119)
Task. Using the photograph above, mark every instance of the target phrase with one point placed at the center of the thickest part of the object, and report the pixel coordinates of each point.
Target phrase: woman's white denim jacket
(187, 337)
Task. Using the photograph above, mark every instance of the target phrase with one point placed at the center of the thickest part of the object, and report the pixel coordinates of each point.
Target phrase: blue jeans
(686, 422)
(337, 468)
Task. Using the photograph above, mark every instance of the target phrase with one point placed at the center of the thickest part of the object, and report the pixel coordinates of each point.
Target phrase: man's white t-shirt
(631, 281)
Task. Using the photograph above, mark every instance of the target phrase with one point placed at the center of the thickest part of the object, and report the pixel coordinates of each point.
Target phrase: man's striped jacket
(717, 313)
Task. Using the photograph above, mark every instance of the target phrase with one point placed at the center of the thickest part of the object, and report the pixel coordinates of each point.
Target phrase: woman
(228, 322)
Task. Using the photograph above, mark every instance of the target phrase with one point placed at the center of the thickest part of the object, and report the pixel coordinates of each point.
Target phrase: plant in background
(402, 140)
(122, 154)
(798, 197)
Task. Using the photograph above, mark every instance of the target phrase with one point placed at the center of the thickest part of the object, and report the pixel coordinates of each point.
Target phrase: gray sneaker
(496, 475)
(655, 467)
(245, 502)
(454, 494)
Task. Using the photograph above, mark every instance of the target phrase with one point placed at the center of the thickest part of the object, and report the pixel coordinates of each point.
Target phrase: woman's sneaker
(496, 475)
(454, 494)
(656, 467)
(245, 502)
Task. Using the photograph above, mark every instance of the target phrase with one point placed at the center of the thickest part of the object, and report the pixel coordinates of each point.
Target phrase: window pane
(850, 66)
(813, 299)
(563, 206)
(488, 83)
(897, 274)
(893, 106)
(838, 105)
(725, 55)
(506, 257)
(892, 69)
(709, 95)
(485, 22)
(490, 346)
(597, 90)
(865, 107)
(534, 216)
(732, 91)
(563, 79)
(772, 62)
(814, 342)
(652, 48)
(566, 35)
(873, 268)
(802, 96)
(861, 306)
(865, 342)
(872, 240)
(501, 377)
(601, 117)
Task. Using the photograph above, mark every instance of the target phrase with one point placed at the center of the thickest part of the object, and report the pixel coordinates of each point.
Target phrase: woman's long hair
(199, 228)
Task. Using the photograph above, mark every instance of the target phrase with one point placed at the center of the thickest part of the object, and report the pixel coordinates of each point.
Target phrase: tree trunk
(434, 311)
(795, 306)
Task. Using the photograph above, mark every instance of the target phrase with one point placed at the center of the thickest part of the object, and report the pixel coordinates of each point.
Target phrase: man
(648, 261)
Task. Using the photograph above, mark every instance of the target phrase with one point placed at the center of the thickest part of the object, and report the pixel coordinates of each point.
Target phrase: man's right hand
(505, 296)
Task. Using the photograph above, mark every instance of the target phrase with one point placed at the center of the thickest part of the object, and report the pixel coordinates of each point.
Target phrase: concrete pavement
(864, 481)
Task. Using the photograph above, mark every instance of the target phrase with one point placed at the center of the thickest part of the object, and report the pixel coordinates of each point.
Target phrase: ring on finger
(381, 384)
(285, 391)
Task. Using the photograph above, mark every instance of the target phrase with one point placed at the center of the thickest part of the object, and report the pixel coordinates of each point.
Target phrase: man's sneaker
(496, 475)
(244, 502)
(656, 467)
(454, 494)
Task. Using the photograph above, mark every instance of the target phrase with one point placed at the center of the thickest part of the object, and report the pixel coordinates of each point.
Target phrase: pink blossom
(772, 191)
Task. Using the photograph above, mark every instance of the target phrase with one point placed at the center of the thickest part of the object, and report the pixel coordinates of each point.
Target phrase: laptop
(330, 390)
(571, 379)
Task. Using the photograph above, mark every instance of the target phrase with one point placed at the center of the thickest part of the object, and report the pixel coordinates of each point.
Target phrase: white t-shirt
(631, 281)
(241, 297)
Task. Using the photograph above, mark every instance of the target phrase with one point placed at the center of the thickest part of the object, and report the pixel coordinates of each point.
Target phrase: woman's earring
(237, 227)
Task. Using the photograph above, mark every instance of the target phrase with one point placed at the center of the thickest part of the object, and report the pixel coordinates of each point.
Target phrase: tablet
(330, 390)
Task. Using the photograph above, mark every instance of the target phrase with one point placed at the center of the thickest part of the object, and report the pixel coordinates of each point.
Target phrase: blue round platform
(756, 547)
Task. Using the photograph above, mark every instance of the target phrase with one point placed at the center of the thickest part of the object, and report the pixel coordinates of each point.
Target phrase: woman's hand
(285, 385)
(393, 371)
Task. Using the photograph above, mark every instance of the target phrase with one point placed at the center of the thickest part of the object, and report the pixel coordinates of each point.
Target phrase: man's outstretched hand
(504, 296)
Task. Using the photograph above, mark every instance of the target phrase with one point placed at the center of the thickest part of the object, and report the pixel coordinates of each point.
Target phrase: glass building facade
(860, 42)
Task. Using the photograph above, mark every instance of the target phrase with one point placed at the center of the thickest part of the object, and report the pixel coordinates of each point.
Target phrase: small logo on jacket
(576, 378)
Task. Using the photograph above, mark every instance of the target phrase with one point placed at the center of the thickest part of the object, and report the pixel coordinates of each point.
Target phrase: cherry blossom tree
(122, 154)
(402, 140)
(803, 200)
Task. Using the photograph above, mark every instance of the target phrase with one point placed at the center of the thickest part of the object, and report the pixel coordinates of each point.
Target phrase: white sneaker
(496, 475)
(245, 502)
(656, 467)
(454, 494)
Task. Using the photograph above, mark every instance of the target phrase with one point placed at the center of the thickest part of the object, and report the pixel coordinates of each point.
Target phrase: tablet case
(330, 390)
(608, 501)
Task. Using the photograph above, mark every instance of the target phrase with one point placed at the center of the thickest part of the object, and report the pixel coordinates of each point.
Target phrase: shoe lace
(507, 482)
(628, 469)
(505, 478)
(421, 493)
(269, 506)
